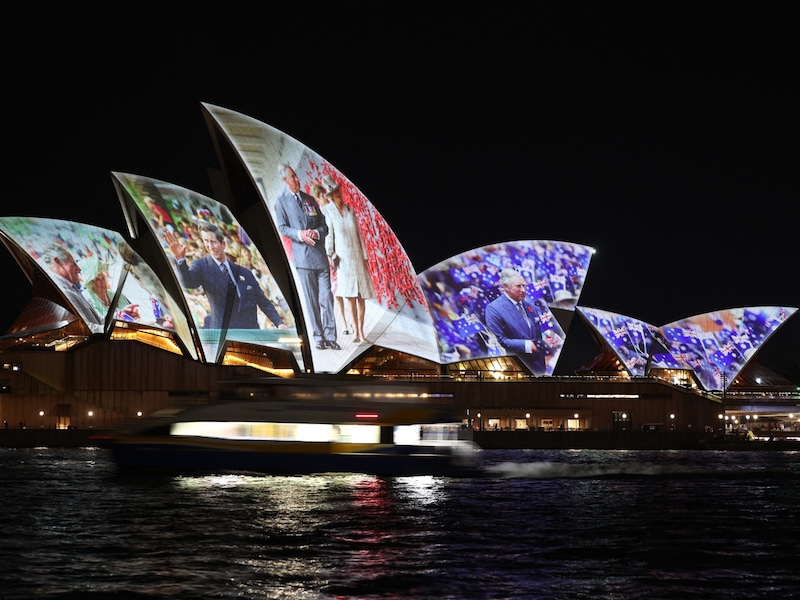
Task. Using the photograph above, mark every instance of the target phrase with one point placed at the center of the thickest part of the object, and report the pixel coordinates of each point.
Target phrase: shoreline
(487, 440)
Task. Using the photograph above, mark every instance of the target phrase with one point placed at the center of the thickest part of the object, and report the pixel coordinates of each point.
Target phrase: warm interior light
(289, 432)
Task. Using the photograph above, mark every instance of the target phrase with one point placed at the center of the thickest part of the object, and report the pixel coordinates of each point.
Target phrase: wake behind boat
(305, 429)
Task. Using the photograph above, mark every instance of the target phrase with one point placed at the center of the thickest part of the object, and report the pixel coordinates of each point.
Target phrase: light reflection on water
(539, 524)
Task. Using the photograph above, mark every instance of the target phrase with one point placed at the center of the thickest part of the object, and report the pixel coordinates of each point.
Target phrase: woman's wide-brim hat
(330, 183)
(91, 267)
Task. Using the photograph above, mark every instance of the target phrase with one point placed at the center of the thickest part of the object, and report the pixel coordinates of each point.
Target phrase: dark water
(540, 524)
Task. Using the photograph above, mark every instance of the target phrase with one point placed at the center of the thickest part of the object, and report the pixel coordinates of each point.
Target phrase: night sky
(665, 136)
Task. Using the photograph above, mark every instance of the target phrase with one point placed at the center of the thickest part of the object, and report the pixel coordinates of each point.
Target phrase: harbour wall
(488, 440)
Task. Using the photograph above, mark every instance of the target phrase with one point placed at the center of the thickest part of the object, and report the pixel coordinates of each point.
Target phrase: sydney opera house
(292, 271)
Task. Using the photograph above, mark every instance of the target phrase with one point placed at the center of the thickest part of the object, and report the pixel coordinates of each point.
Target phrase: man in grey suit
(67, 274)
(515, 322)
(300, 219)
(232, 290)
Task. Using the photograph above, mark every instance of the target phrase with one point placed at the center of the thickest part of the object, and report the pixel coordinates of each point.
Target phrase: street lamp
(91, 414)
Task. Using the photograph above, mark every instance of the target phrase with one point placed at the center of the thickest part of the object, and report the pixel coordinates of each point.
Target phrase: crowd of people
(226, 280)
(530, 277)
(231, 290)
(228, 285)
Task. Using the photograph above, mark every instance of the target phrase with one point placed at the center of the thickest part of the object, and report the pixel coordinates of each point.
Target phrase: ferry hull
(294, 459)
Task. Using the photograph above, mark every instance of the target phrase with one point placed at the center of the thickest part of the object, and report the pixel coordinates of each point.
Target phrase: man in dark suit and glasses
(300, 219)
(515, 322)
(232, 290)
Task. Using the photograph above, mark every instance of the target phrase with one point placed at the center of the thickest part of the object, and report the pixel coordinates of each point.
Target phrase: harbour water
(550, 524)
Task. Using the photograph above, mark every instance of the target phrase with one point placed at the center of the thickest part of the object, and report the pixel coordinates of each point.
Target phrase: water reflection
(553, 524)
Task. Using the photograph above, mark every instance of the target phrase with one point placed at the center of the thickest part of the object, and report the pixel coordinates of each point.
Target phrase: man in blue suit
(515, 322)
(232, 290)
(300, 219)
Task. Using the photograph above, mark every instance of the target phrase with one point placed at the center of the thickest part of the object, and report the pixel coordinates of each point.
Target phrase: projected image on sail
(101, 277)
(497, 300)
(229, 290)
(355, 282)
(717, 345)
(630, 339)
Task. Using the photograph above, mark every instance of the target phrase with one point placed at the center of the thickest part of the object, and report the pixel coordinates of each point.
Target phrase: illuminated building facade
(294, 271)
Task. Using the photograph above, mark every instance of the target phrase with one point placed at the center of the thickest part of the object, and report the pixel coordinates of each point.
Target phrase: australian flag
(467, 326)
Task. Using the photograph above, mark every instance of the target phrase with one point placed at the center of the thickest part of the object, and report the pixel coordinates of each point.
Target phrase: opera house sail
(355, 282)
(295, 261)
(717, 345)
(472, 318)
(226, 286)
(714, 346)
(99, 277)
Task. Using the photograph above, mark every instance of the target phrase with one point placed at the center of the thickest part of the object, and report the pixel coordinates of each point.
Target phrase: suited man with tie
(515, 322)
(300, 219)
(232, 290)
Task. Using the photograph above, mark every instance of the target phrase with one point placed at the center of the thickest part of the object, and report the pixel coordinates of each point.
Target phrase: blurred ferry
(291, 427)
